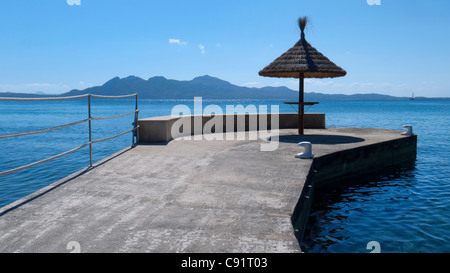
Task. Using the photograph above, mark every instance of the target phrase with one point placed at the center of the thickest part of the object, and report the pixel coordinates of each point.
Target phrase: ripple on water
(404, 210)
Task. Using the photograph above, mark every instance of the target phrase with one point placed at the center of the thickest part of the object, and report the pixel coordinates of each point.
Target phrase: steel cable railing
(45, 130)
(135, 129)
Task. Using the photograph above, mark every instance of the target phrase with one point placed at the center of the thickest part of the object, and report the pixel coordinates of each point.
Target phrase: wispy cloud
(328, 86)
(177, 41)
(260, 84)
(48, 88)
(85, 85)
(251, 84)
(357, 86)
(352, 87)
(202, 48)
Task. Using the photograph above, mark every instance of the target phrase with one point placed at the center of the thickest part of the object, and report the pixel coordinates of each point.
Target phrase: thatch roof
(302, 57)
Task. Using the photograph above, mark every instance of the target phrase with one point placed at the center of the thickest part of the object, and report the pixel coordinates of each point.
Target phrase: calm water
(405, 210)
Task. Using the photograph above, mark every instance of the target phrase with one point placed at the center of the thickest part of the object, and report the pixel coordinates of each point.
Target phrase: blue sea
(403, 210)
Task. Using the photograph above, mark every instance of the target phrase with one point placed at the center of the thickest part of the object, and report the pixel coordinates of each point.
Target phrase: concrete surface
(183, 196)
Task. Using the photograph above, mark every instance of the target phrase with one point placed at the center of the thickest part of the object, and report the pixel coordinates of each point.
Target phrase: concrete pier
(195, 195)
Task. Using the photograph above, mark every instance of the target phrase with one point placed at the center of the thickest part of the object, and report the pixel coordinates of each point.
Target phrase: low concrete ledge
(158, 129)
(346, 164)
(330, 169)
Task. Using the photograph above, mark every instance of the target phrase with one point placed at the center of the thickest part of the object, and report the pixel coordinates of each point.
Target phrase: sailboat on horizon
(412, 97)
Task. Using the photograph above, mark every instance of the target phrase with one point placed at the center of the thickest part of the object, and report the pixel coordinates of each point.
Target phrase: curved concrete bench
(159, 129)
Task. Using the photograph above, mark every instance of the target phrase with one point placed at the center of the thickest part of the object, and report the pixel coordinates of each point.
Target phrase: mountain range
(206, 87)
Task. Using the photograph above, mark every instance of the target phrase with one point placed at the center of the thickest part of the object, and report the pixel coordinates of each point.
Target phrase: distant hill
(23, 95)
(206, 87)
(320, 96)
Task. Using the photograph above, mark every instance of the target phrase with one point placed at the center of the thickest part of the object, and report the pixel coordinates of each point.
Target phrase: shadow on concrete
(153, 143)
(320, 139)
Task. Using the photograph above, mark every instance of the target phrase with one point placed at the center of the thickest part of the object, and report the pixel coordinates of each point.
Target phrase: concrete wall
(346, 164)
(158, 129)
(331, 169)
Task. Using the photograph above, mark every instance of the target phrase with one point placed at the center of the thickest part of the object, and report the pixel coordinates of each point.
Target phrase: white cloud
(339, 86)
(251, 84)
(85, 85)
(319, 83)
(330, 86)
(202, 48)
(271, 83)
(48, 88)
(177, 41)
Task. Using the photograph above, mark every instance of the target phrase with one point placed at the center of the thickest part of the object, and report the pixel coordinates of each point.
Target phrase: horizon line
(42, 93)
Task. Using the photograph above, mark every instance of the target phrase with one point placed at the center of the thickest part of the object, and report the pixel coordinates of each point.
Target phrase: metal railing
(135, 137)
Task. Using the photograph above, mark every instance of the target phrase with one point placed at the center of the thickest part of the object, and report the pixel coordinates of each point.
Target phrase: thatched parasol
(302, 61)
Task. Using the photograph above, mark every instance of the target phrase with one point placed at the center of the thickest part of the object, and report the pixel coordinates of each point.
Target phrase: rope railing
(108, 138)
(45, 130)
(89, 119)
(112, 97)
(67, 98)
(118, 116)
(44, 99)
(43, 161)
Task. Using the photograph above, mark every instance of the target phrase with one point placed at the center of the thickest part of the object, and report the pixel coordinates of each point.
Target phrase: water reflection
(346, 218)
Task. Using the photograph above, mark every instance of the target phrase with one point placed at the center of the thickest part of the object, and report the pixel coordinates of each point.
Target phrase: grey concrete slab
(183, 196)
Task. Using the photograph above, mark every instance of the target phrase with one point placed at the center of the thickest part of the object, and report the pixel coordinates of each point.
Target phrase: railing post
(90, 130)
(135, 132)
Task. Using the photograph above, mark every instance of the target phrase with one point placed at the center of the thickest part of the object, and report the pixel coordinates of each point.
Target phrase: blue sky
(396, 48)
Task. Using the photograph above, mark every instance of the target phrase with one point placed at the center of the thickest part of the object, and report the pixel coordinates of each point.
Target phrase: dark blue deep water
(404, 210)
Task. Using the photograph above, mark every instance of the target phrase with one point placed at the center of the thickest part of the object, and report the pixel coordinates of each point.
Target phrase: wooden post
(301, 106)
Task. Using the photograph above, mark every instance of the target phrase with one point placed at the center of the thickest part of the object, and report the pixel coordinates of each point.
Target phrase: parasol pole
(301, 105)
